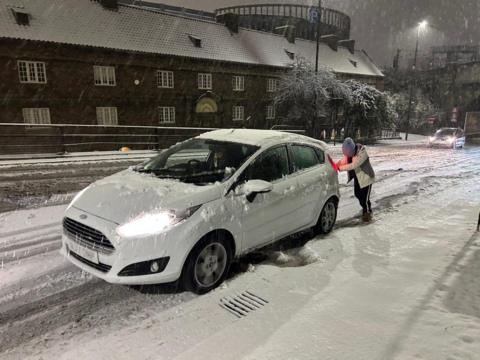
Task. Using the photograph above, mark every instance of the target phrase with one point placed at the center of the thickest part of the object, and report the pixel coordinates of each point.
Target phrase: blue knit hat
(348, 147)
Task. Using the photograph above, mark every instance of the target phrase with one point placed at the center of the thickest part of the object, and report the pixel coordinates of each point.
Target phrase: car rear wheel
(208, 264)
(327, 217)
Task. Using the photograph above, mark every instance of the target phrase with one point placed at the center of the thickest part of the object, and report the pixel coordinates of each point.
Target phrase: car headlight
(451, 139)
(154, 223)
(432, 138)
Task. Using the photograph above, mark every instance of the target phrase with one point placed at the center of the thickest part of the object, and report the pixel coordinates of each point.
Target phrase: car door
(271, 215)
(310, 172)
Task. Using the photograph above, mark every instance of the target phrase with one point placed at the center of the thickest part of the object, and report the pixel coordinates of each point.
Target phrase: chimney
(349, 44)
(231, 21)
(331, 41)
(109, 4)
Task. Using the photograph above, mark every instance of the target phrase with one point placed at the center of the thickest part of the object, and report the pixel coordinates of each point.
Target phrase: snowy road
(27, 183)
(406, 286)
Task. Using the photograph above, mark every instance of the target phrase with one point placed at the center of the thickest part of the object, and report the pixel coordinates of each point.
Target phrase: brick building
(104, 63)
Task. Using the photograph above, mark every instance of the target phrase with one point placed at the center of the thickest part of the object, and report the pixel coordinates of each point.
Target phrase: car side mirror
(253, 187)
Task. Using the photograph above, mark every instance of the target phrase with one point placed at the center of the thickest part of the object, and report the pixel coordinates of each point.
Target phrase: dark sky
(382, 26)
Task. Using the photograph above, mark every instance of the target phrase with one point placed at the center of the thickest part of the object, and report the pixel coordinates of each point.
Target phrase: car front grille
(100, 267)
(86, 236)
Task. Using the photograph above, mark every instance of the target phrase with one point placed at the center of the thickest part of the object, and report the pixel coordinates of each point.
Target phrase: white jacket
(361, 165)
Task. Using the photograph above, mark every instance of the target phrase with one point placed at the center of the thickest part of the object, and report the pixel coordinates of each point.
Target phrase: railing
(334, 20)
(329, 16)
(289, 128)
(389, 134)
(21, 138)
(24, 138)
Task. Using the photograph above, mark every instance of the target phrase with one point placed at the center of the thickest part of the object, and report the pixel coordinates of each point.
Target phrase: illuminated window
(165, 79)
(107, 116)
(32, 72)
(205, 81)
(238, 113)
(238, 83)
(270, 112)
(104, 75)
(40, 116)
(272, 85)
(166, 115)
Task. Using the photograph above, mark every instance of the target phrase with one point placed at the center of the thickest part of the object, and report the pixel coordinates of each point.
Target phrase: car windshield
(445, 132)
(199, 161)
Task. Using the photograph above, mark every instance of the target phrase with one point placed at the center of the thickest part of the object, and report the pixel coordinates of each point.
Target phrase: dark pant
(363, 196)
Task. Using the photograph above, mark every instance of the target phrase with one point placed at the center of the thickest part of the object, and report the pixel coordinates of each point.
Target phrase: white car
(188, 212)
(449, 137)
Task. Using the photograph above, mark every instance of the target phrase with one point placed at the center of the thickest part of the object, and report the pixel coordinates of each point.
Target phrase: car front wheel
(208, 264)
(327, 218)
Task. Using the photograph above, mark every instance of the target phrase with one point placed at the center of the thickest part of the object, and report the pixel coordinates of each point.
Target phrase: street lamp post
(319, 21)
(421, 26)
(319, 31)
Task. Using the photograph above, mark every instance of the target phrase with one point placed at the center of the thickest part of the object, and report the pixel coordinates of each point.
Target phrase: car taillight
(332, 163)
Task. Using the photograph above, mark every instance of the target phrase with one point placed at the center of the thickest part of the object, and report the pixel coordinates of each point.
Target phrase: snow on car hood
(125, 195)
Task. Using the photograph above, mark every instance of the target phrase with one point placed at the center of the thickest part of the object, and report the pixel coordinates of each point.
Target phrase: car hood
(125, 195)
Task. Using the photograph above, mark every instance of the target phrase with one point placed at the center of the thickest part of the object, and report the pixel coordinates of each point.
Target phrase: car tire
(327, 218)
(208, 264)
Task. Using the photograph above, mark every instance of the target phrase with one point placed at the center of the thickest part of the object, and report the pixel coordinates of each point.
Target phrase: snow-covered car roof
(257, 137)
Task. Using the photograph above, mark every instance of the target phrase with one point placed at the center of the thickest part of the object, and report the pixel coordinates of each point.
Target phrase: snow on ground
(33, 181)
(16, 160)
(406, 286)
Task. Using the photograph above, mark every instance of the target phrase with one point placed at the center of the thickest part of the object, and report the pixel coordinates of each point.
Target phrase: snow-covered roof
(87, 23)
(254, 137)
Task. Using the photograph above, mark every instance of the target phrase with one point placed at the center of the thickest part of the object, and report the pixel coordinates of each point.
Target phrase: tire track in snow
(28, 230)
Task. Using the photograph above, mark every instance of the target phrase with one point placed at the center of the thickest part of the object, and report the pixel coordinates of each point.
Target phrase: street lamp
(421, 26)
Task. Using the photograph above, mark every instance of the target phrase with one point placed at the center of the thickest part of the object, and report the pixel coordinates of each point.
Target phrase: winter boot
(367, 217)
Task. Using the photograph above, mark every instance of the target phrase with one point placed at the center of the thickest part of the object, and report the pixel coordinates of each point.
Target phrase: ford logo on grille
(83, 216)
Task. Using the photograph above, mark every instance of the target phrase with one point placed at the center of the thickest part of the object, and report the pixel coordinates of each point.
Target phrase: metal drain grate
(242, 304)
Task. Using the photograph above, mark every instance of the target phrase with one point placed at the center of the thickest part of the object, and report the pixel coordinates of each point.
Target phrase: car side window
(304, 157)
(321, 155)
(269, 166)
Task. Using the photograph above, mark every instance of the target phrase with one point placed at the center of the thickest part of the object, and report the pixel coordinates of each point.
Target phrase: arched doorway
(206, 105)
(207, 112)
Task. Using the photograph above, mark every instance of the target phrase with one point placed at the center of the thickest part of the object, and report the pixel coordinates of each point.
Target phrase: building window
(272, 85)
(166, 115)
(205, 81)
(270, 112)
(104, 75)
(107, 116)
(40, 116)
(238, 113)
(238, 83)
(32, 72)
(165, 79)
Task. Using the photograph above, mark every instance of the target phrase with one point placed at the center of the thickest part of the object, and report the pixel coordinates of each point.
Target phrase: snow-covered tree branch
(302, 91)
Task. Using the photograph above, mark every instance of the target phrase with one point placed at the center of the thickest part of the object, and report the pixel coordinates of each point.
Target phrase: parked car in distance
(448, 137)
(189, 211)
